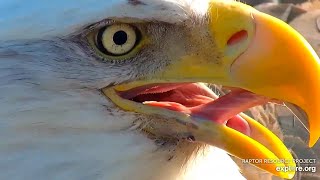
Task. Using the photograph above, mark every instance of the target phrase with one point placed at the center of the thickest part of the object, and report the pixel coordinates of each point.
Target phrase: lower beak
(280, 64)
(260, 54)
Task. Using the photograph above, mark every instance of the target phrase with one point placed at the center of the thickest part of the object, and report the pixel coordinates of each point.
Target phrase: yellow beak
(258, 53)
(268, 57)
(281, 64)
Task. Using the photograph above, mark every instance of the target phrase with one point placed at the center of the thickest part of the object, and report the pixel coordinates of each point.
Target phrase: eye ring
(117, 39)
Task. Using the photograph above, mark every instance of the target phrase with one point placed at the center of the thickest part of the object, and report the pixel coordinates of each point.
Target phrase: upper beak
(258, 53)
(279, 63)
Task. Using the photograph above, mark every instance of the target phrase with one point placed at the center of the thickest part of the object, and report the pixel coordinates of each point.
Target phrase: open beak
(259, 54)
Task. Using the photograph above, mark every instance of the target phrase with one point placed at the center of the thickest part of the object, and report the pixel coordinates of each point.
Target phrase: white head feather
(54, 122)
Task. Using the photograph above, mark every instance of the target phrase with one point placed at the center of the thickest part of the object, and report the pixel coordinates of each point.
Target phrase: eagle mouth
(210, 119)
(199, 102)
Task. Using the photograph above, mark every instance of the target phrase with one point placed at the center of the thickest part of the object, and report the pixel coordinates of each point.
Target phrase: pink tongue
(223, 110)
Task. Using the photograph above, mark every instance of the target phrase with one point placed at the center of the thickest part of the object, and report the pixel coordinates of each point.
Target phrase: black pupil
(120, 38)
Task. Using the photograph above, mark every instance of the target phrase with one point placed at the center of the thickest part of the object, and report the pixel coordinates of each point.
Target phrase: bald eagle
(120, 89)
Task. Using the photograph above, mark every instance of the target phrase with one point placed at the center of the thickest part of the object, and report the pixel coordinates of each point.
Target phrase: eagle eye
(117, 39)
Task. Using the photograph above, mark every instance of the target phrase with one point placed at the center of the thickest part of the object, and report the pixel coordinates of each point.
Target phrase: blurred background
(256, 2)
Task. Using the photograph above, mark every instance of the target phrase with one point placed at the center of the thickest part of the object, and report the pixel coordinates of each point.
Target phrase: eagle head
(125, 89)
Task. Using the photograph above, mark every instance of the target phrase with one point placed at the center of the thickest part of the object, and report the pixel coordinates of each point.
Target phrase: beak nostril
(237, 37)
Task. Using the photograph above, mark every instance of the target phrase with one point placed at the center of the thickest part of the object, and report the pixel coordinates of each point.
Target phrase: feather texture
(43, 19)
(54, 121)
